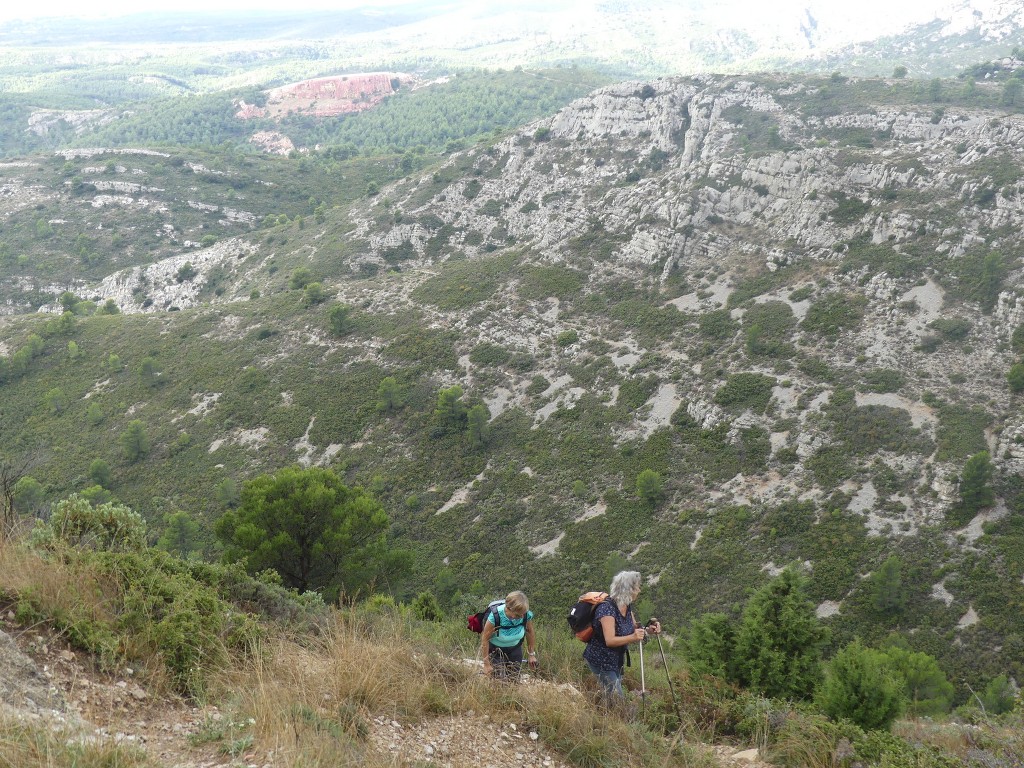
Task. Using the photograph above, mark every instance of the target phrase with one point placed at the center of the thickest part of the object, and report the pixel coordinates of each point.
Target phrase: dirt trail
(49, 681)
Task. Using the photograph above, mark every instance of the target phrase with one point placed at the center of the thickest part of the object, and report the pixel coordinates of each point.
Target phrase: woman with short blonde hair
(508, 625)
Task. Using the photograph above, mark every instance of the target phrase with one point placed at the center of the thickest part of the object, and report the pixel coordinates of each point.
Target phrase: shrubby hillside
(707, 327)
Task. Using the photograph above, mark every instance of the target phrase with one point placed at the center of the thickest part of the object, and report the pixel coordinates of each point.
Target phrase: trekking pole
(668, 674)
(643, 683)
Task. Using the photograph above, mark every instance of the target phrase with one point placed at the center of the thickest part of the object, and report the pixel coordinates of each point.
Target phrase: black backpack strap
(496, 620)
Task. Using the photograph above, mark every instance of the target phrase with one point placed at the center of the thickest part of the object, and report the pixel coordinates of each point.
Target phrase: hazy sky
(94, 8)
(14, 9)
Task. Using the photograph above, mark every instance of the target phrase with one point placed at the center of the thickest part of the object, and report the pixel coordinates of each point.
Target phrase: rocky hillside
(707, 326)
(848, 236)
(808, 289)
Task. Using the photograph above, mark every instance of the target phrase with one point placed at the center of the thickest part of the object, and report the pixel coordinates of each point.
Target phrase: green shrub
(999, 696)
(883, 380)
(1015, 378)
(952, 328)
(488, 354)
(975, 487)
(861, 686)
(746, 390)
(925, 686)
(710, 646)
(637, 390)
(779, 640)
(426, 607)
(77, 523)
(315, 531)
(848, 210)
(339, 319)
(834, 314)
(980, 277)
(961, 430)
(537, 385)
(871, 428)
(567, 338)
(300, 278)
(135, 441)
(650, 486)
(540, 282)
(1017, 339)
(717, 325)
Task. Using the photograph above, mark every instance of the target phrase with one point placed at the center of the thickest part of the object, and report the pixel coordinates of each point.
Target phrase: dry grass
(1000, 738)
(805, 741)
(314, 703)
(59, 589)
(29, 745)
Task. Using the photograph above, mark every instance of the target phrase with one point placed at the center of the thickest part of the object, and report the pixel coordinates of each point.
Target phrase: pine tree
(975, 492)
(780, 639)
(479, 429)
(861, 686)
(886, 588)
(927, 690)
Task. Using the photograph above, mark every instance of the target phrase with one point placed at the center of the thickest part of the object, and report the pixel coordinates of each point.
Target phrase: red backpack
(475, 621)
(581, 615)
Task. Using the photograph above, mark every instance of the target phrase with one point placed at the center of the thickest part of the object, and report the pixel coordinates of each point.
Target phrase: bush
(779, 640)
(185, 272)
(717, 325)
(311, 528)
(746, 390)
(975, 489)
(650, 486)
(999, 696)
(77, 523)
(426, 608)
(834, 314)
(1015, 378)
(488, 354)
(925, 686)
(861, 686)
(567, 338)
(952, 328)
(313, 294)
(134, 441)
(300, 278)
(883, 380)
(710, 644)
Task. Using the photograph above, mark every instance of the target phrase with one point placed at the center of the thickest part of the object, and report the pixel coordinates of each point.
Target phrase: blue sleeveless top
(509, 632)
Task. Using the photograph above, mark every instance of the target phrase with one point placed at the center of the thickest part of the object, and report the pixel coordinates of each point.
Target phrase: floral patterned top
(597, 653)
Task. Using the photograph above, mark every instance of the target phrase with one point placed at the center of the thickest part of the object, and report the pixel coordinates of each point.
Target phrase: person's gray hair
(624, 587)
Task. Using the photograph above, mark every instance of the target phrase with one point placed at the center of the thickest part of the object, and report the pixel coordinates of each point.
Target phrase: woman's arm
(617, 641)
(485, 639)
(531, 643)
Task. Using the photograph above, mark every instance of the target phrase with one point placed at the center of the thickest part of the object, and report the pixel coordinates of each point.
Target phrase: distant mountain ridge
(650, 38)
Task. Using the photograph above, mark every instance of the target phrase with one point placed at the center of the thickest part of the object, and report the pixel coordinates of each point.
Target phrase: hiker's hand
(640, 634)
(533, 662)
(488, 669)
(654, 626)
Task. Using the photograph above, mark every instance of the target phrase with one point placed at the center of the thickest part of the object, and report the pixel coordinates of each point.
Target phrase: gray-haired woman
(614, 629)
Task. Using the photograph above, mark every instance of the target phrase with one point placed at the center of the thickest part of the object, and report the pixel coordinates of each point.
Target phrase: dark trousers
(507, 662)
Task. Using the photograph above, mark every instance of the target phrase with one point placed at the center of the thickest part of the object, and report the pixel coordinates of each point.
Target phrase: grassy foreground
(304, 687)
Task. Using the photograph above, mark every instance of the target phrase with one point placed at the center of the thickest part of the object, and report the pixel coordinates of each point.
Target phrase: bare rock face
(273, 142)
(23, 687)
(327, 96)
